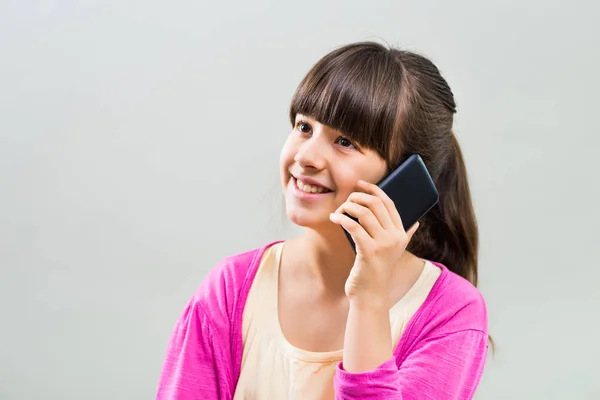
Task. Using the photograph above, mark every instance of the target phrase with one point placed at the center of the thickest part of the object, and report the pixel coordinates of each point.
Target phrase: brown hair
(397, 103)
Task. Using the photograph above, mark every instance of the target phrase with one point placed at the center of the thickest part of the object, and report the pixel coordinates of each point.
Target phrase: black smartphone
(411, 189)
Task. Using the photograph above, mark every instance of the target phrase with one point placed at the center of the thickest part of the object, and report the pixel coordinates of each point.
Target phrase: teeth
(309, 188)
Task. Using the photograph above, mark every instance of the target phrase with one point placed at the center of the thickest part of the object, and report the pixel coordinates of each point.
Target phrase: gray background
(139, 144)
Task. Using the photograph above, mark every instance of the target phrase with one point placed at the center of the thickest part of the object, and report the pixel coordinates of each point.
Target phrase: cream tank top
(274, 369)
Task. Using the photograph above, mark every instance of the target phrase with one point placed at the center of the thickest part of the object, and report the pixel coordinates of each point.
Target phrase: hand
(380, 242)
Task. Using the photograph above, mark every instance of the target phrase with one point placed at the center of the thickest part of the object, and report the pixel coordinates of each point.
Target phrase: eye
(344, 142)
(303, 127)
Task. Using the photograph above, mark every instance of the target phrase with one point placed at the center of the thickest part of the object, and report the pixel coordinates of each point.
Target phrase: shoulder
(454, 304)
(225, 288)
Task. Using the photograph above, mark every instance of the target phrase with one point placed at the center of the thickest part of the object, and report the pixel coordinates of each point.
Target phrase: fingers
(365, 216)
(376, 205)
(378, 218)
(387, 202)
(358, 233)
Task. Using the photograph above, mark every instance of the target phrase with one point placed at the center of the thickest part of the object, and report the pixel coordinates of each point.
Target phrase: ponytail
(449, 232)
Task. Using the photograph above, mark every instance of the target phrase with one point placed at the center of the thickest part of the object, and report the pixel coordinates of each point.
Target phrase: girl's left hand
(380, 240)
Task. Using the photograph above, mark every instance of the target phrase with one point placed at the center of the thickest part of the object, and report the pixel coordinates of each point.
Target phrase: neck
(325, 257)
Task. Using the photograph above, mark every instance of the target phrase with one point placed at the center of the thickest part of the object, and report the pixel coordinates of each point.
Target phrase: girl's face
(320, 168)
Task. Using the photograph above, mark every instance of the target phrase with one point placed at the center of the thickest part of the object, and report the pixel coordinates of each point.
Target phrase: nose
(311, 153)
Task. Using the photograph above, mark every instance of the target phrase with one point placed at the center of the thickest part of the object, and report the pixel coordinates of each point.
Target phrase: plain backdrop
(139, 145)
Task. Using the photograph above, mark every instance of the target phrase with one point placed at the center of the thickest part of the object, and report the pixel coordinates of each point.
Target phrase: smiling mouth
(310, 189)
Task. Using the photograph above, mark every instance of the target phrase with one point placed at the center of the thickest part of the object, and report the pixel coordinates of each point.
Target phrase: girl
(308, 318)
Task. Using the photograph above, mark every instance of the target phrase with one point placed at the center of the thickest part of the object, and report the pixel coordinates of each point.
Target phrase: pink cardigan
(441, 354)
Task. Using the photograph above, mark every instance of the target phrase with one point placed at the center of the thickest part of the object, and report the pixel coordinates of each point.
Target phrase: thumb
(412, 230)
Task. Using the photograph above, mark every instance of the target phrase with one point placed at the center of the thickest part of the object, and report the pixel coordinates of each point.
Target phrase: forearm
(368, 340)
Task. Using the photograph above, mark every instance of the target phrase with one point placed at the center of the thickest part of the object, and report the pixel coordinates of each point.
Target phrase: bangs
(354, 90)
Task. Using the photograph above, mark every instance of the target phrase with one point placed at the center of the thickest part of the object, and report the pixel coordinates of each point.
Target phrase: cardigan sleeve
(191, 367)
(445, 367)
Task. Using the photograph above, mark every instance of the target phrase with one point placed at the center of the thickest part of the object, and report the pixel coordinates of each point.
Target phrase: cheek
(376, 175)
(346, 180)
(285, 153)
(286, 157)
(374, 170)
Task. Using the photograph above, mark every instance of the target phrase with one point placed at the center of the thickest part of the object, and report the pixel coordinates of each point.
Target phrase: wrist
(371, 303)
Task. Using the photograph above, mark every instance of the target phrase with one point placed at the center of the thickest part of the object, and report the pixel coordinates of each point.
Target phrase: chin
(303, 219)
(311, 220)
